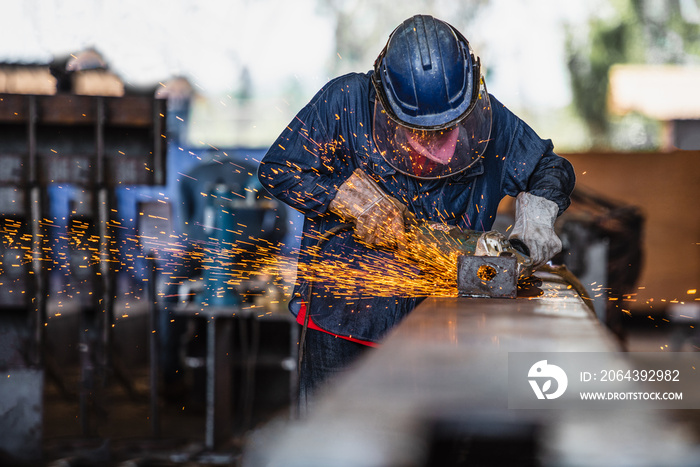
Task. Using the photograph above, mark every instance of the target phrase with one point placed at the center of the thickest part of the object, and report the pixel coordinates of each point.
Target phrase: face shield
(431, 153)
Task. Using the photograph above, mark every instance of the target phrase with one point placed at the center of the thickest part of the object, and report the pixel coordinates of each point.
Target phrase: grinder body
(488, 265)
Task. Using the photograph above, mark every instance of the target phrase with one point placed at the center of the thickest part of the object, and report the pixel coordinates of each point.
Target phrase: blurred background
(612, 83)
(550, 63)
(594, 76)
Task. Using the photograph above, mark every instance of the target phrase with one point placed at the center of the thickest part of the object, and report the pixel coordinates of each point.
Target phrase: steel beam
(442, 376)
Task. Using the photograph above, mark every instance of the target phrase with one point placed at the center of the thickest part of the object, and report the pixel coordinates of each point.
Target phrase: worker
(418, 134)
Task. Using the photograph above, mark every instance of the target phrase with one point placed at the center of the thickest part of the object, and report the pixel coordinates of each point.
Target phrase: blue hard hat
(426, 76)
(432, 114)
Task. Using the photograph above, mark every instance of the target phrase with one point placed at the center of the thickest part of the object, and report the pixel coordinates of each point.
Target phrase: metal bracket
(487, 276)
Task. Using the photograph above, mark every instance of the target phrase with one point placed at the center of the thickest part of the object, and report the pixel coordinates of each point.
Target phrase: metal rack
(95, 143)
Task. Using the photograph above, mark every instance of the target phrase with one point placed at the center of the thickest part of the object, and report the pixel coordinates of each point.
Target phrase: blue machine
(241, 230)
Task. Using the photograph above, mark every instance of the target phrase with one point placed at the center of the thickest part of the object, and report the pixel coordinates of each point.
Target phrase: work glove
(534, 226)
(378, 217)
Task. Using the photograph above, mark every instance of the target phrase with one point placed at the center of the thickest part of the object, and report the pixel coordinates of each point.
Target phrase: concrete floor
(117, 428)
(112, 424)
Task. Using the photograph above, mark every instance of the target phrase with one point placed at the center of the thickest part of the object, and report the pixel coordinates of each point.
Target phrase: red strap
(314, 326)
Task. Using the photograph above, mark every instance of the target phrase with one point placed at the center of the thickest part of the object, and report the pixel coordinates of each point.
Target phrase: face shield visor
(431, 153)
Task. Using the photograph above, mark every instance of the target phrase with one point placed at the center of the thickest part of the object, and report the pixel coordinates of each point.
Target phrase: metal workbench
(440, 382)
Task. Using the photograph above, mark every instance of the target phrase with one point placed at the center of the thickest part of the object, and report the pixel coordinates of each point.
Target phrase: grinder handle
(520, 246)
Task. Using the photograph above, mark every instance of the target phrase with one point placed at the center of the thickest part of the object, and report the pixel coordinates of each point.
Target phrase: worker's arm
(553, 179)
(547, 196)
(309, 161)
(542, 183)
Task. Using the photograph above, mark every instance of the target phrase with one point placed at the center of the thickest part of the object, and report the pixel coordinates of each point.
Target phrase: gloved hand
(534, 226)
(378, 217)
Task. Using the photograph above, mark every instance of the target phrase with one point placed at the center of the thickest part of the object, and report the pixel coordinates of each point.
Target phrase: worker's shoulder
(350, 80)
(348, 86)
(497, 107)
(502, 116)
(511, 129)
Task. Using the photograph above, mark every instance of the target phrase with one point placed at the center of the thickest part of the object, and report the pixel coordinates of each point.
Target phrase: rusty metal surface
(448, 362)
(487, 276)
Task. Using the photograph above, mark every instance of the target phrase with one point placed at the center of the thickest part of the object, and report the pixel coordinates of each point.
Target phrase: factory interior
(145, 277)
